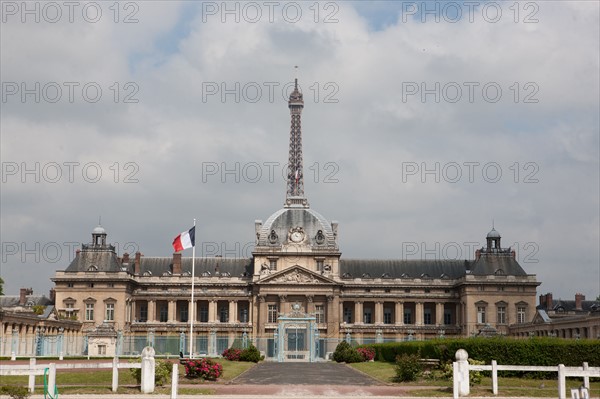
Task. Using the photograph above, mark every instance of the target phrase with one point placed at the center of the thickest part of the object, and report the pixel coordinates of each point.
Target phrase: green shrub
(408, 367)
(251, 354)
(15, 392)
(344, 352)
(505, 350)
(162, 371)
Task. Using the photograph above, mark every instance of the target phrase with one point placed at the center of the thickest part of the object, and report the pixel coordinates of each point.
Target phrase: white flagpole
(193, 310)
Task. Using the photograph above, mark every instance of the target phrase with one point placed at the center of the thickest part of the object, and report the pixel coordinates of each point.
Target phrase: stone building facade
(579, 319)
(296, 289)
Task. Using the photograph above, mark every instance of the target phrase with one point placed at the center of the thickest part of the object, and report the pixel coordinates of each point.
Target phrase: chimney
(513, 254)
(579, 298)
(138, 263)
(543, 301)
(478, 254)
(23, 292)
(177, 263)
(549, 303)
(125, 260)
(52, 295)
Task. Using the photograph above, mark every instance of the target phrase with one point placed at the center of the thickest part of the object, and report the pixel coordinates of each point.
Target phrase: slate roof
(236, 267)
(104, 260)
(497, 264)
(569, 306)
(12, 301)
(398, 268)
(310, 220)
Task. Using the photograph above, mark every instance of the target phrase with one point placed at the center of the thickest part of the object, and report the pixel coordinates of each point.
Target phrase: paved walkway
(267, 373)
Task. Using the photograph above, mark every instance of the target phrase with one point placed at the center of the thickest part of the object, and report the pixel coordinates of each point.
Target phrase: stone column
(419, 313)
(171, 311)
(282, 307)
(358, 312)
(151, 311)
(439, 313)
(457, 318)
(251, 312)
(261, 315)
(310, 307)
(191, 313)
(399, 314)
(378, 312)
(133, 308)
(332, 320)
(233, 311)
(212, 311)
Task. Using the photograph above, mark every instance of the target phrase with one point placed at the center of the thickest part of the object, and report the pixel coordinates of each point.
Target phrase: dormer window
(92, 268)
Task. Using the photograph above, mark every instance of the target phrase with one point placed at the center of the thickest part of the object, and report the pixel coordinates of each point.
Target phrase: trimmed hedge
(510, 351)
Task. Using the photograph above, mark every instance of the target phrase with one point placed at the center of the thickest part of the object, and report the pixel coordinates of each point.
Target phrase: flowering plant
(203, 368)
(232, 354)
(367, 354)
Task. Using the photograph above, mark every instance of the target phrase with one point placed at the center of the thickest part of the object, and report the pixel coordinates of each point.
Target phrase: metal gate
(297, 337)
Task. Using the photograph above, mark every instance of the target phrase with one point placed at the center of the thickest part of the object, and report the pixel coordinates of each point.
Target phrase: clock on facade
(297, 235)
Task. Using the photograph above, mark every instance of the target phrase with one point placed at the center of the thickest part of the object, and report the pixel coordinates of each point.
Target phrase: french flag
(185, 240)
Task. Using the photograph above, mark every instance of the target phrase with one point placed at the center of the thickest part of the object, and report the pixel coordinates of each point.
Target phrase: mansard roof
(95, 260)
(570, 305)
(400, 268)
(12, 301)
(497, 264)
(235, 267)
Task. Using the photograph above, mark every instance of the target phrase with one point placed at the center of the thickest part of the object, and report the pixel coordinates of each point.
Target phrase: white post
(193, 315)
(462, 363)
(562, 389)
(60, 356)
(494, 377)
(174, 381)
(148, 364)
(586, 378)
(115, 374)
(52, 379)
(13, 356)
(455, 378)
(31, 375)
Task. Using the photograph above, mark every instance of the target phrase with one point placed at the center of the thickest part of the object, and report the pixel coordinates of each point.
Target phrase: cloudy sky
(424, 123)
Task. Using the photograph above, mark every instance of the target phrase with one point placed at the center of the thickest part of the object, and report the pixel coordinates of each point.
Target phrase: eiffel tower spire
(295, 173)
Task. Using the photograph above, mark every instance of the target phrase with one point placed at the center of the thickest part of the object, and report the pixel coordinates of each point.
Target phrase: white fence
(461, 369)
(33, 369)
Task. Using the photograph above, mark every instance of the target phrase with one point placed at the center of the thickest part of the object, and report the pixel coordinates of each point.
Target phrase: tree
(1, 286)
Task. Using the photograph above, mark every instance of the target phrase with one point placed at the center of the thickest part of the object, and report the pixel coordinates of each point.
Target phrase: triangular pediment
(296, 275)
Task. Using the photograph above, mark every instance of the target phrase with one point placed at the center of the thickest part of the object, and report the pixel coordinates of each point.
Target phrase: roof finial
(99, 220)
(493, 224)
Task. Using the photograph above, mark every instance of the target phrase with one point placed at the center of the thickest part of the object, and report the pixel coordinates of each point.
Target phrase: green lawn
(508, 386)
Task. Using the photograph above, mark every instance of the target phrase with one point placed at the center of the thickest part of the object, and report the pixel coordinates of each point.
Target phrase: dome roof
(99, 230)
(493, 234)
(287, 218)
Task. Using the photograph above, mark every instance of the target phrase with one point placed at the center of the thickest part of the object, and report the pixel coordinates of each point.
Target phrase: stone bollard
(148, 364)
(462, 374)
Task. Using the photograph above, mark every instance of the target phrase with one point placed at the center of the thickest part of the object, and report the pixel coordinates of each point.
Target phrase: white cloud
(176, 130)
